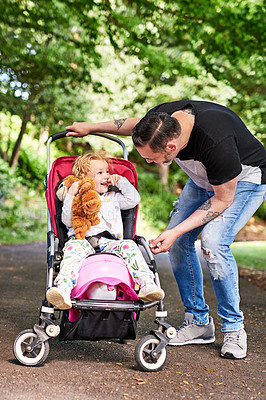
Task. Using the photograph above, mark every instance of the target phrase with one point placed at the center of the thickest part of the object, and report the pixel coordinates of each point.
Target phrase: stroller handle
(58, 135)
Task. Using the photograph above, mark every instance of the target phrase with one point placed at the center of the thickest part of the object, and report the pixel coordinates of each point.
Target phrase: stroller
(104, 303)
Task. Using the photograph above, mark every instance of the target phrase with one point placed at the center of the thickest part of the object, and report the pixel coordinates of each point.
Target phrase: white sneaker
(189, 333)
(59, 298)
(149, 291)
(235, 344)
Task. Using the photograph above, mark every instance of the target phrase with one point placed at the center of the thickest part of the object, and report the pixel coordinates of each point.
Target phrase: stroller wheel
(24, 354)
(145, 356)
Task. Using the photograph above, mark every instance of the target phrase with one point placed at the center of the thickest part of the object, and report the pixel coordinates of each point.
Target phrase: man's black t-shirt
(220, 146)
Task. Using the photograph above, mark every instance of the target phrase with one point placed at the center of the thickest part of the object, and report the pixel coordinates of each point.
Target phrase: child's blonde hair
(81, 166)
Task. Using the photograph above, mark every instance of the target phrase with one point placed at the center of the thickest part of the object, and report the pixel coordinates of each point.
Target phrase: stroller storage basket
(97, 325)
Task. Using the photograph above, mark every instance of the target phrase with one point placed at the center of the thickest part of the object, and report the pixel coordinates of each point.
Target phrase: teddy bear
(86, 204)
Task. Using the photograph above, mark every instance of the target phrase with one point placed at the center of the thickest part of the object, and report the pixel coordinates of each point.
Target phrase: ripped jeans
(216, 238)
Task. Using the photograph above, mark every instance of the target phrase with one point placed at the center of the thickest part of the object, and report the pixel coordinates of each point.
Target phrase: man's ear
(171, 146)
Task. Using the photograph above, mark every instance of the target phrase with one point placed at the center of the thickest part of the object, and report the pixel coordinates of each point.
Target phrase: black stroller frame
(31, 346)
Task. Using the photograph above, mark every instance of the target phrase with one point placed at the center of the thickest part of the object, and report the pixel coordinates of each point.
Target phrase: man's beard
(168, 159)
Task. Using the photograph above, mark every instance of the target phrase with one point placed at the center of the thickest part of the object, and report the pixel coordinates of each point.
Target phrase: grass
(250, 254)
(19, 236)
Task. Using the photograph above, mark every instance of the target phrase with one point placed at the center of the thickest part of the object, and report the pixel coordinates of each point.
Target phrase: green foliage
(46, 58)
(31, 169)
(51, 52)
(8, 181)
(65, 60)
(156, 201)
(261, 212)
(22, 210)
(225, 38)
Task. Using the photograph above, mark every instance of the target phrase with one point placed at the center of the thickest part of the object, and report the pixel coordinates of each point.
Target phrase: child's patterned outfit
(75, 251)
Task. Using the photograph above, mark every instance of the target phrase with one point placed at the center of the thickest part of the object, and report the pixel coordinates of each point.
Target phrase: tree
(226, 39)
(45, 55)
(50, 48)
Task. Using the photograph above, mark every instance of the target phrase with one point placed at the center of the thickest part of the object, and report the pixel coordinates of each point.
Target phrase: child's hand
(113, 179)
(73, 190)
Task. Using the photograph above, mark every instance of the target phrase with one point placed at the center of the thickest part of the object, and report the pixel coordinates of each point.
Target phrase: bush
(261, 212)
(31, 169)
(156, 201)
(22, 210)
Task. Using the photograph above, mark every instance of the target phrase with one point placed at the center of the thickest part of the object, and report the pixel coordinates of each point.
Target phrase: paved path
(106, 370)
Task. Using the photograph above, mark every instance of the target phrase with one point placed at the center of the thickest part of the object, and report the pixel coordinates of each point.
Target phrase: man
(227, 169)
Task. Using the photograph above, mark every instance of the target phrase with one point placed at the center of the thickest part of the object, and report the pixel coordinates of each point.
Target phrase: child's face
(100, 173)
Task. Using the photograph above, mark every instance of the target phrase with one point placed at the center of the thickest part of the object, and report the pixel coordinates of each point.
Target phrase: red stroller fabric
(62, 167)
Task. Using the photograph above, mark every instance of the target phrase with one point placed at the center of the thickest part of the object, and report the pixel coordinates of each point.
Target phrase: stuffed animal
(86, 204)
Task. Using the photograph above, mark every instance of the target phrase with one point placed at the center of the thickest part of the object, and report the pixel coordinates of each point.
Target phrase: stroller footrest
(83, 304)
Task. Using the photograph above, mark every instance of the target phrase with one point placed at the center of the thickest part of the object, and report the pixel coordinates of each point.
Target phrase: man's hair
(82, 167)
(155, 129)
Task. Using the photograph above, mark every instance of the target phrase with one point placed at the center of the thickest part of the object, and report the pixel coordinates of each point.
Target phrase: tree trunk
(14, 158)
(163, 171)
(44, 135)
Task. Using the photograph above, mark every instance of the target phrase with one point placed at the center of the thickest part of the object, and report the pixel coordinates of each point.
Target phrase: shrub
(31, 169)
(22, 210)
(156, 201)
(261, 212)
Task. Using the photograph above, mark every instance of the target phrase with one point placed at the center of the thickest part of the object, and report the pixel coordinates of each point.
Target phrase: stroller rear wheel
(23, 351)
(146, 357)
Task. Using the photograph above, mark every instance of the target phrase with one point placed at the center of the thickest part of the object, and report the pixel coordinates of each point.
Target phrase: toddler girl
(75, 251)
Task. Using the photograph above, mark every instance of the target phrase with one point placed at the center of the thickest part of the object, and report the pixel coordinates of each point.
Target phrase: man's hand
(78, 129)
(163, 242)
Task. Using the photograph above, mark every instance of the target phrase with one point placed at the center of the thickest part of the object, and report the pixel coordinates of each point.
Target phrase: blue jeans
(216, 238)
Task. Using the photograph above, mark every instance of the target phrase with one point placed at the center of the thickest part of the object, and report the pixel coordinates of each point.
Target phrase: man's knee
(210, 242)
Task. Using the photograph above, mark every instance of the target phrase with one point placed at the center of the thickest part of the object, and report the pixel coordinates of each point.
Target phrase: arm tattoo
(206, 206)
(119, 122)
(209, 216)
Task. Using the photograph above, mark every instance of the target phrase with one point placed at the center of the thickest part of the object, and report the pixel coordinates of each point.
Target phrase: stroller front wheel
(23, 352)
(146, 356)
